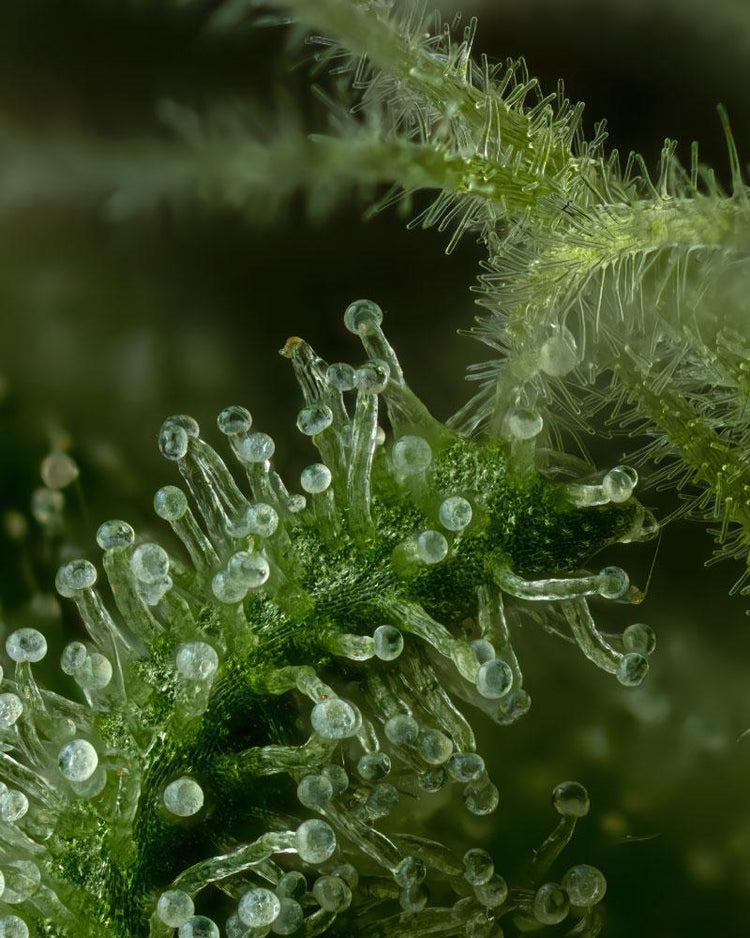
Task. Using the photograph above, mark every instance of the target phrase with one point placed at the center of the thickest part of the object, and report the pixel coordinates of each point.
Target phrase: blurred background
(108, 325)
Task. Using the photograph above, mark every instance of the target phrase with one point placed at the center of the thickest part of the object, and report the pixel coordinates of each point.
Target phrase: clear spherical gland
(334, 719)
(183, 797)
(618, 484)
(372, 377)
(234, 419)
(432, 547)
(478, 866)
(389, 642)
(113, 534)
(332, 893)
(455, 513)
(639, 638)
(315, 841)
(315, 478)
(551, 904)
(259, 907)
(411, 455)
(613, 583)
(74, 576)
(632, 669)
(77, 760)
(26, 645)
(585, 885)
(494, 679)
(362, 315)
(570, 799)
(314, 419)
(170, 503)
(175, 907)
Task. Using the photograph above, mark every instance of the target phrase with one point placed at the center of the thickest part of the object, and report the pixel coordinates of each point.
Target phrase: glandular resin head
(259, 704)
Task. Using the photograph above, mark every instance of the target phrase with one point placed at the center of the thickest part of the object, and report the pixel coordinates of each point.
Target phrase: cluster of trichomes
(315, 642)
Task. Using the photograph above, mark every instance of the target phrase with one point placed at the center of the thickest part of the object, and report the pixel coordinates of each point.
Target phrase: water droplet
(183, 797)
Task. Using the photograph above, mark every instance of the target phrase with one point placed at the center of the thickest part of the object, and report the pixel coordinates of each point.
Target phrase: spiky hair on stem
(314, 643)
